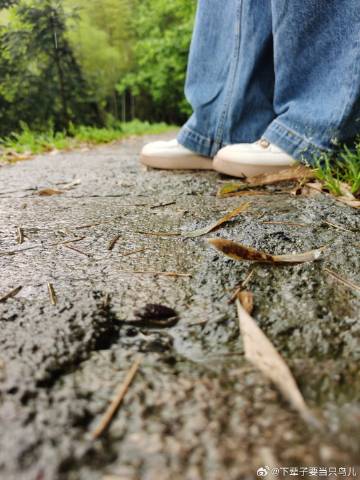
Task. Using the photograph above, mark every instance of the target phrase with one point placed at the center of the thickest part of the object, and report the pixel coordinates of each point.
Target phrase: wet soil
(196, 410)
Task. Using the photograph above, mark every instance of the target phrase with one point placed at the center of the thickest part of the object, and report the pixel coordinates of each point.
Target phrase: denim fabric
(284, 70)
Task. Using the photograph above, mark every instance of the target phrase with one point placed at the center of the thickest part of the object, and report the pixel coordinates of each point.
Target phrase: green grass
(343, 169)
(333, 173)
(28, 142)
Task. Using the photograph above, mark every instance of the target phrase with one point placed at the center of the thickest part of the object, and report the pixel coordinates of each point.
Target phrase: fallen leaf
(299, 172)
(247, 300)
(346, 190)
(347, 197)
(47, 192)
(351, 202)
(310, 189)
(262, 354)
(154, 315)
(229, 216)
(237, 251)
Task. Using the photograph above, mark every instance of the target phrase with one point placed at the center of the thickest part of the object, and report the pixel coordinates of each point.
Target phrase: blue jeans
(284, 70)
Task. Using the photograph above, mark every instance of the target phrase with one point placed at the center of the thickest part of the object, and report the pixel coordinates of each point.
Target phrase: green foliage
(100, 38)
(42, 82)
(162, 31)
(26, 141)
(29, 142)
(343, 169)
(79, 62)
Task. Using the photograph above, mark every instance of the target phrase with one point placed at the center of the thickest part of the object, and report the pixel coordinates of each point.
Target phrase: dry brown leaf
(229, 216)
(300, 172)
(347, 198)
(351, 202)
(237, 251)
(262, 354)
(310, 189)
(47, 192)
(246, 299)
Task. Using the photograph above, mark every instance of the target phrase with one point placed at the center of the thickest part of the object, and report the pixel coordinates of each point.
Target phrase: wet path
(196, 409)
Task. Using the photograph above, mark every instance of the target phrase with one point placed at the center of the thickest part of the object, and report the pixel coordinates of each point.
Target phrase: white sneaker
(173, 156)
(250, 159)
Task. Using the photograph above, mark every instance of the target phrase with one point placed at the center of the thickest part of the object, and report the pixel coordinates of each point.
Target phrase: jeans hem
(294, 143)
(197, 143)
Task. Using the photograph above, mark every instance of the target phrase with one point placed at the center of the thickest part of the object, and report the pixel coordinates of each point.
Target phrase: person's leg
(317, 69)
(230, 81)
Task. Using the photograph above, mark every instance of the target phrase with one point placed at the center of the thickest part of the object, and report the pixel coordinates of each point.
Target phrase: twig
(338, 227)
(163, 204)
(52, 294)
(290, 224)
(161, 234)
(66, 241)
(242, 285)
(14, 252)
(20, 235)
(114, 405)
(133, 252)
(113, 242)
(342, 280)
(106, 301)
(164, 274)
(11, 294)
(76, 250)
(198, 324)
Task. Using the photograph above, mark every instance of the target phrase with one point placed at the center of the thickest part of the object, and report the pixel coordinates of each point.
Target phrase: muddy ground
(196, 410)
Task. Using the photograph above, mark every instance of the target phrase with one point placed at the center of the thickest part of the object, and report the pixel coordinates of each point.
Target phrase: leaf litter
(240, 252)
(299, 172)
(263, 355)
(229, 216)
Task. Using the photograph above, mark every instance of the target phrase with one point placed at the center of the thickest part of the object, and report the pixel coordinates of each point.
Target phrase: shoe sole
(181, 163)
(244, 170)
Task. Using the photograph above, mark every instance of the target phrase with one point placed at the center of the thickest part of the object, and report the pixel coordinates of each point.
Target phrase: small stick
(52, 294)
(342, 280)
(242, 285)
(106, 301)
(113, 242)
(165, 274)
(133, 252)
(338, 227)
(67, 241)
(163, 204)
(290, 224)
(114, 405)
(161, 234)
(20, 235)
(11, 294)
(76, 250)
(14, 252)
(198, 324)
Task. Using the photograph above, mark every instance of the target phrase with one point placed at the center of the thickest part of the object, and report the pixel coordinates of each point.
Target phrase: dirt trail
(196, 410)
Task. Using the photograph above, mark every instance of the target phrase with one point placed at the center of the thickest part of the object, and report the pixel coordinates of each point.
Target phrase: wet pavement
(196, 409)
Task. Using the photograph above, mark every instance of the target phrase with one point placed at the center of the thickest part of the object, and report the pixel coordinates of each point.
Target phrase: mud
(197, 409)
